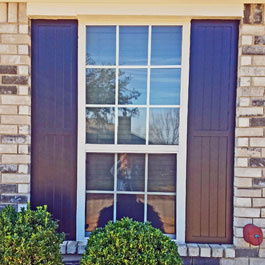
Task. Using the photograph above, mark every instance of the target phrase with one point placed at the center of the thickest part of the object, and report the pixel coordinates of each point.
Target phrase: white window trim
(181, 149)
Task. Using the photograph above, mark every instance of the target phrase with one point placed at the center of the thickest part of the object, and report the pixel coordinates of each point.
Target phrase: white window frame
(180, 150)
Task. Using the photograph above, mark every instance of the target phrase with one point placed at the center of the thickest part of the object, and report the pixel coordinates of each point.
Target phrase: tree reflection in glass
(164, 126)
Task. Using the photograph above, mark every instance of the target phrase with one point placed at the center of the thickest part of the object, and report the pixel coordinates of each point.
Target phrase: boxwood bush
(29, 237)
(129, 242)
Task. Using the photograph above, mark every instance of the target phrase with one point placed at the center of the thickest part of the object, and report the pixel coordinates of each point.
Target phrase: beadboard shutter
(54, 119)
(211, 124)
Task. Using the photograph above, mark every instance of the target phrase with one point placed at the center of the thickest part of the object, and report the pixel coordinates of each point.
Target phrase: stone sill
(185, 250)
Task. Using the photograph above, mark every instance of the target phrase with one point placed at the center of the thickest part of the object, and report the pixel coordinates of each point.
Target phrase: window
(133, 104)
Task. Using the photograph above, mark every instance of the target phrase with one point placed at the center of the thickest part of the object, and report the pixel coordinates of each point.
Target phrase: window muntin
(133, 114)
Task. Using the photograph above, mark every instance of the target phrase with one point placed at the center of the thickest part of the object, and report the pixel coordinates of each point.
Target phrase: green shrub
(128, 242)
(29, 237)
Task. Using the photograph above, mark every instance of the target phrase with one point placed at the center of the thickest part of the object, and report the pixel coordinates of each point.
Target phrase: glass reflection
(165, 87)
(130, 172)
(164, 126)
(133, 45)
(166, 45)
(162, 172)
(131, 126)
(100, 86)
(99, 210)
(100, 125)
(165, 207)
(98, 174)
(131, 206)
(132, 86)
(101, 45)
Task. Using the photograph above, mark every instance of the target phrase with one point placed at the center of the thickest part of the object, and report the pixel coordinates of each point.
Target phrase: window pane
(133, 45)
(165, 87)
(132, 86)
(99, 175)
(161, 212)
(101, 45)
(164, 126)
(131, 206)
(162, 172)
(100, 125)
(131, 127)
(130, 172)
(99, 210)
(166, 45)
(100, 86)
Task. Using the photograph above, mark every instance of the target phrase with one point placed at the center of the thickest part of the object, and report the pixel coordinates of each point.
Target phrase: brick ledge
(185, 250)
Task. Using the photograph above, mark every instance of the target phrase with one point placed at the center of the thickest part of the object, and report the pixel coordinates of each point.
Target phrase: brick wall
(14, 105)
(249, 182)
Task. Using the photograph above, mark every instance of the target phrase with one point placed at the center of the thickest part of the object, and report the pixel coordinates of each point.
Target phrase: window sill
(185, 250)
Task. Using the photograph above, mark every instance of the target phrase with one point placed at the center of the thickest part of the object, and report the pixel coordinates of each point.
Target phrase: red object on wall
(253, 234)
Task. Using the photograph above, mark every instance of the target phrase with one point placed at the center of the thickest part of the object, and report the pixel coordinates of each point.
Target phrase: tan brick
(259, 222)
(244, 102)
(8, 129)
(246, 40)
(246, 60)
(259, 142)
(8, 28)
(23, 188)
(241, 242)
(24, 110)
(15, 100)
(258, 202)
(24, 129)
(15, 59)
(243, 182)
(22, 14)
(23, 69)
(246, 212)
(241, 222)
(23, 159)
(238, 232)
(245, 81)
(259, 60)
(23, 149)
(8, 149)
(8, 109)
(252, 71)
(262, 212)
(8, 49)
(23, 90)
(251, 111)
(23, 49)
(15, 119)
(248, 193)
(23, 169)
(12, 12)
(251, 91)
(249, 132)
(253, 29)
(24, 29)
(15, 178)
(3, 12)
(258, 81)
(243, 202)
(248, 172)
(242, 141)
(243, 122)
(16, 38)
(248, 152)
(241, 162)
